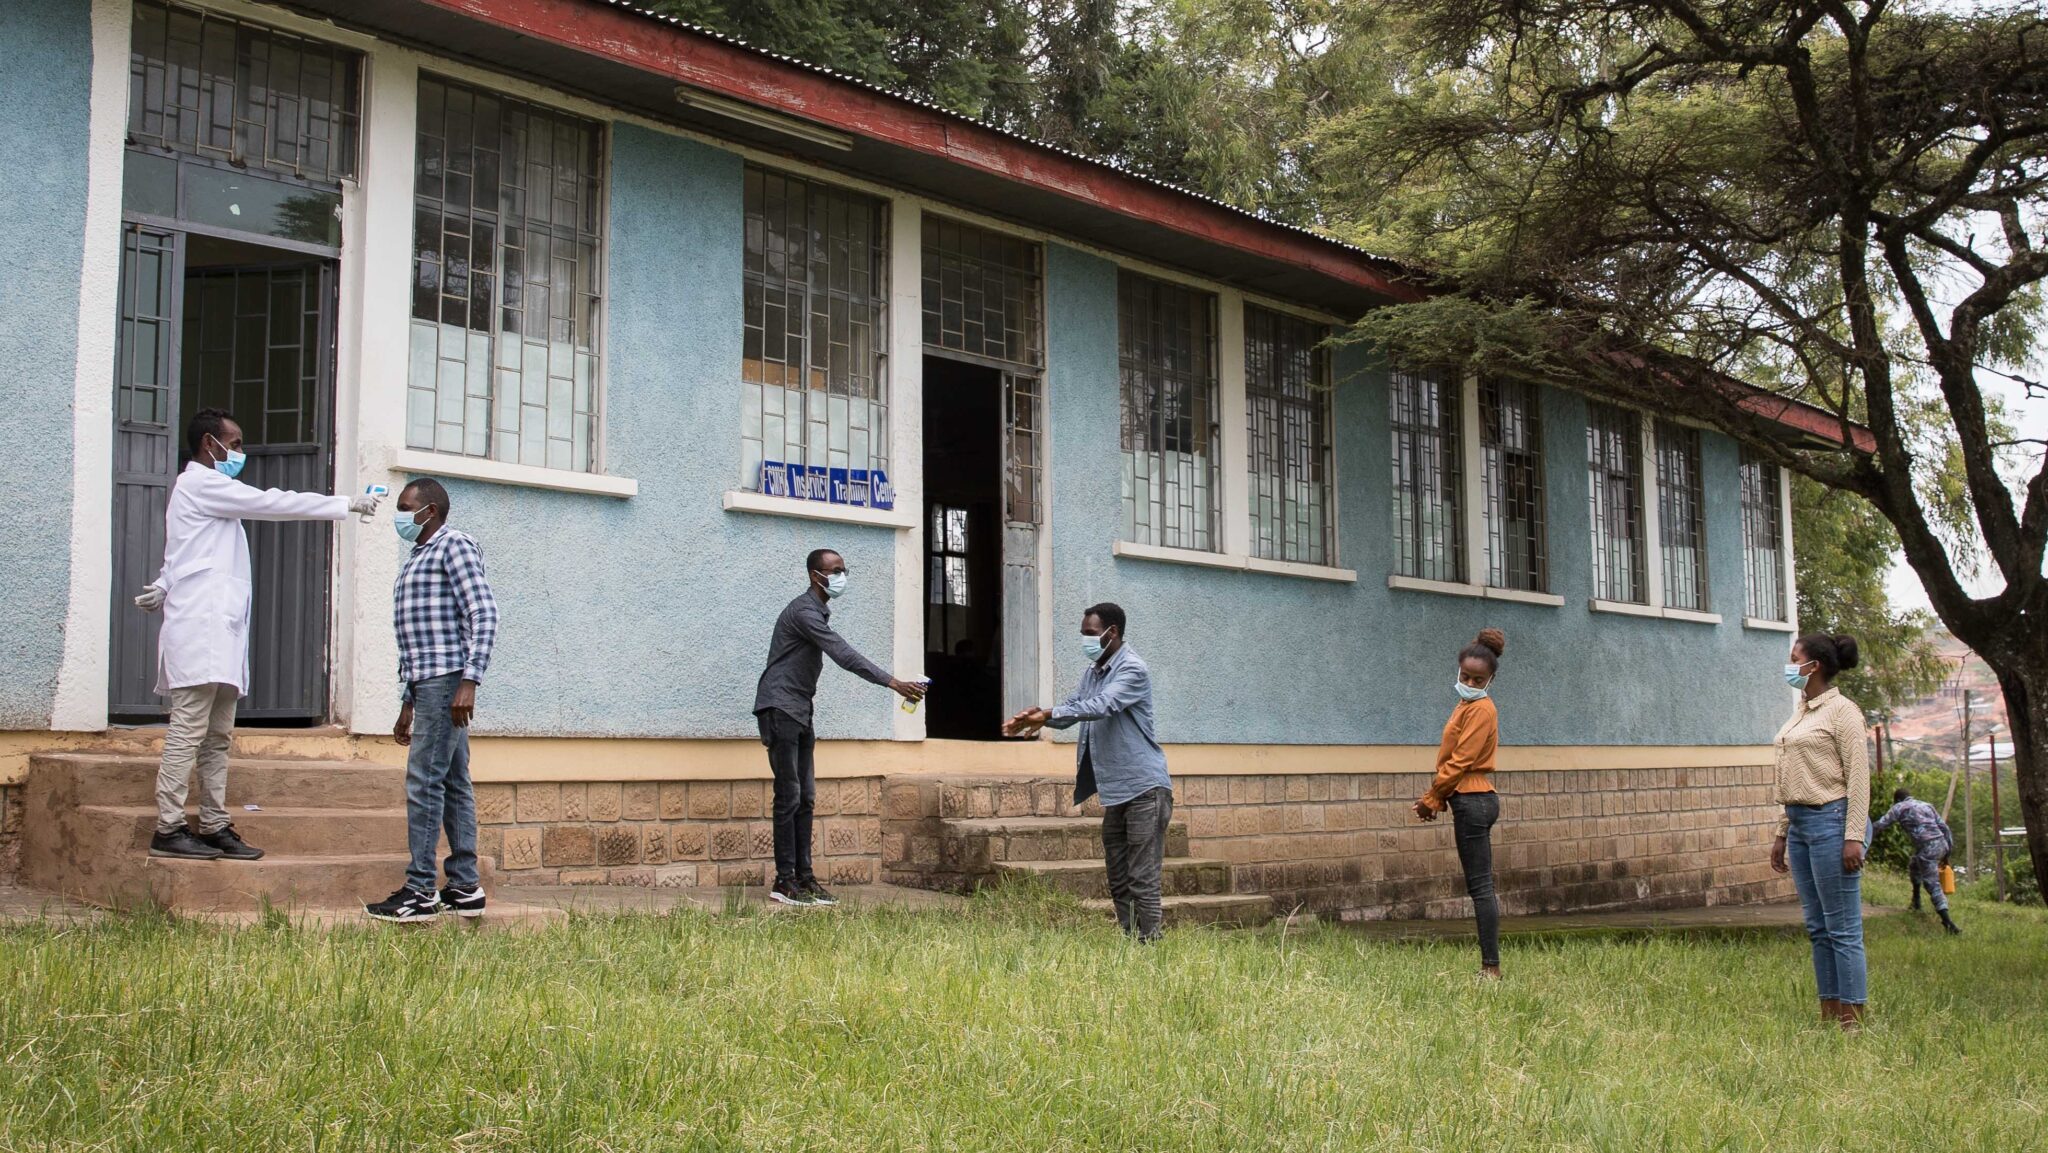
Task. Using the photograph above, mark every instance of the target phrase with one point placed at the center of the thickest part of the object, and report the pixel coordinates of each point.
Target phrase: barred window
(814, 379)
(1511, 469)
(1287, 400)
(507, 222)
(1763, 539)
(206, 85)
(1681, 516)
(1166, 337)
(1429, 514)
(981, 304)
(1614, 458)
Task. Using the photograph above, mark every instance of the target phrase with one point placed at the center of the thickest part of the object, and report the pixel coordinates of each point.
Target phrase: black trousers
(791, 746)
(1134, 855)
(1472, 819)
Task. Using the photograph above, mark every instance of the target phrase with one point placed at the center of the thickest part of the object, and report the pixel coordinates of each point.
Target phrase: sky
(2031, 417)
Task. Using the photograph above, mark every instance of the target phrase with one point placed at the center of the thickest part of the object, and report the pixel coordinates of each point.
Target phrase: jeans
(1134, 855)
(438, 796)
(1926, 870)
(1472, 819)
(791, 757)
(202, 720)
(1832, 899)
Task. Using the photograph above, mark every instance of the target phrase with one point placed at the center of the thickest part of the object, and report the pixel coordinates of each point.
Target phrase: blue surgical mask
(1467, 692)
(232, 466)
(409, 529)
(1794, 677)
(835, 585)
(1092, 647)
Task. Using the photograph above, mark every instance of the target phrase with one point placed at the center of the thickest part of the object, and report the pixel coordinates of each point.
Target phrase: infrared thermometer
(380, 491)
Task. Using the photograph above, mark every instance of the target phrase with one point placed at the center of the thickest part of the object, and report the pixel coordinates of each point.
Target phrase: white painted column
(906, 443)
(370, 384)
(80, 701)
(1653, 530)
(1472, 483)
(1234, 528)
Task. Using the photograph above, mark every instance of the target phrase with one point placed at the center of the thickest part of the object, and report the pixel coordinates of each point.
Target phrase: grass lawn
(1013, 1026)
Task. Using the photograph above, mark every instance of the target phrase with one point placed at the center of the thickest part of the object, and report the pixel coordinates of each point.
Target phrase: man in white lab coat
(203, 652)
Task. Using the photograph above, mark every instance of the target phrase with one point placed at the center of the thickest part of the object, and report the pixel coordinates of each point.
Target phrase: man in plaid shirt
(446, 621)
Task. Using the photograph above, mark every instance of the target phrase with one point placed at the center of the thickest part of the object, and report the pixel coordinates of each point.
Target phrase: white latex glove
(365, 504)
(152, 599)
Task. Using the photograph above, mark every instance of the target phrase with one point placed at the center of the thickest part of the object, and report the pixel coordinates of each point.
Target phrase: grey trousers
(1134, 853)
(202, 720)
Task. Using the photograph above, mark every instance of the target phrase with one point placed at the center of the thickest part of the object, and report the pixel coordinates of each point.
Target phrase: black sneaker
(182, 846)
(231, 844)
(405, 906)
(790, 893)
(818, 894)
(463, 902)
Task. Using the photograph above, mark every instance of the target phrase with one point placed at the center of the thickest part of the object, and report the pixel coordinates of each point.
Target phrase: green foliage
(1842, 548)
(886, 1030)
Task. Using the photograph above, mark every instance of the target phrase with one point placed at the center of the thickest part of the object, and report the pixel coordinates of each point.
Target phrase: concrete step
(1181, 877)
(979, 844)
(278, 882)
(106, 780)
(289, 832)
(1230, 910)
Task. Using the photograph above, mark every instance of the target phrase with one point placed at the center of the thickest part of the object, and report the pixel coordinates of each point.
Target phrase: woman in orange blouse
(1464, 768)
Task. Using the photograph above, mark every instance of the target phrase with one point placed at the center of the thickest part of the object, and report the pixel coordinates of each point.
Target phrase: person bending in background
(1931, 843)
(1464, 772)
(1824, 784)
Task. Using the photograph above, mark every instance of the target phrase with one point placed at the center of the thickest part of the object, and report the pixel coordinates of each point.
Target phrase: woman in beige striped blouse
(1824, 784)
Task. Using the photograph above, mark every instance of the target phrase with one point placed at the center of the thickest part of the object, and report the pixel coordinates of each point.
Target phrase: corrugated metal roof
(942, 110)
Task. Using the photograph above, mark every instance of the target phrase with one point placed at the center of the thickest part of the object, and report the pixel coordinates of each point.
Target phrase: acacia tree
(1840, 202)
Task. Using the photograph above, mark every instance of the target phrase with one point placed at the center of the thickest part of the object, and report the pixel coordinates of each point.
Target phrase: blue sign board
(857, 487)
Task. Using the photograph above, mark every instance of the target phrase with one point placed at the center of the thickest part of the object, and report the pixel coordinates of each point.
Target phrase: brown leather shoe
(1830, 1010)
(1852, 1018)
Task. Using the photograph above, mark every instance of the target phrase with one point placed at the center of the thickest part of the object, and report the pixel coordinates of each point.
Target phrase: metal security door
(258, 341)
(145, 456)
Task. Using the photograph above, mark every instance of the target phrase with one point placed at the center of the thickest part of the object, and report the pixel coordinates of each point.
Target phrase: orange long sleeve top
(1464, 762)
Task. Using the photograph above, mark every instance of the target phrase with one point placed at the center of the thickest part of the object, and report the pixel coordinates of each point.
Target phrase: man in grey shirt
(782, 707)
(1120, 758)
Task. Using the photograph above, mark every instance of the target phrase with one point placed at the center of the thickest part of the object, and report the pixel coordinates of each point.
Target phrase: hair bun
(1845, 650)
(1493, 639)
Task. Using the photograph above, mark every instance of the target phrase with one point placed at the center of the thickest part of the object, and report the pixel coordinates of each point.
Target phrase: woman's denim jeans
(1831, 898)
(1472, 819)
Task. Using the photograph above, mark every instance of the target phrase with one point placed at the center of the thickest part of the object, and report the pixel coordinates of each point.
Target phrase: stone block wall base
(675, 834)
(10, 831)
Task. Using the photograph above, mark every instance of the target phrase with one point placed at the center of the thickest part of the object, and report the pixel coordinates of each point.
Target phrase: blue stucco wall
(44, 113)
(651, 616)
(1248, 657)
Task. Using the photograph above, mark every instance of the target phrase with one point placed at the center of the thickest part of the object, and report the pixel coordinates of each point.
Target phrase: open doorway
(214, 322)
(963, 517)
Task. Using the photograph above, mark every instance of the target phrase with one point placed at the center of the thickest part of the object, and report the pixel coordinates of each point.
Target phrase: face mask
(835, 585)
(1467, 692)
(409, 529)
(231, 467)
(1092, 647)
(1794, 677)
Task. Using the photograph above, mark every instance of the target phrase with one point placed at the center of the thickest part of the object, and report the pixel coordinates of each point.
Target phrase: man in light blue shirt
(1120, 758)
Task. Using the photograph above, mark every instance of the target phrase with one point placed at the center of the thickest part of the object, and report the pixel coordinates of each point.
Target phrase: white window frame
(1653, 535)
(1472, 486)
(1791, 622)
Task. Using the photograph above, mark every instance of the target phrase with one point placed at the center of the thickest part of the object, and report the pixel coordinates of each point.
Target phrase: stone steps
(1227, 910)
(979, 844)
(333, 835)
(1089, 880)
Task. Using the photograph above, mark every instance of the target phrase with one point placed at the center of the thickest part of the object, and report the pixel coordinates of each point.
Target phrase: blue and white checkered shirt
(443, 611)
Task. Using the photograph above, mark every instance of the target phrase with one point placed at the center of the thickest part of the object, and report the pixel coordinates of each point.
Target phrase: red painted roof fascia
(744, 74)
